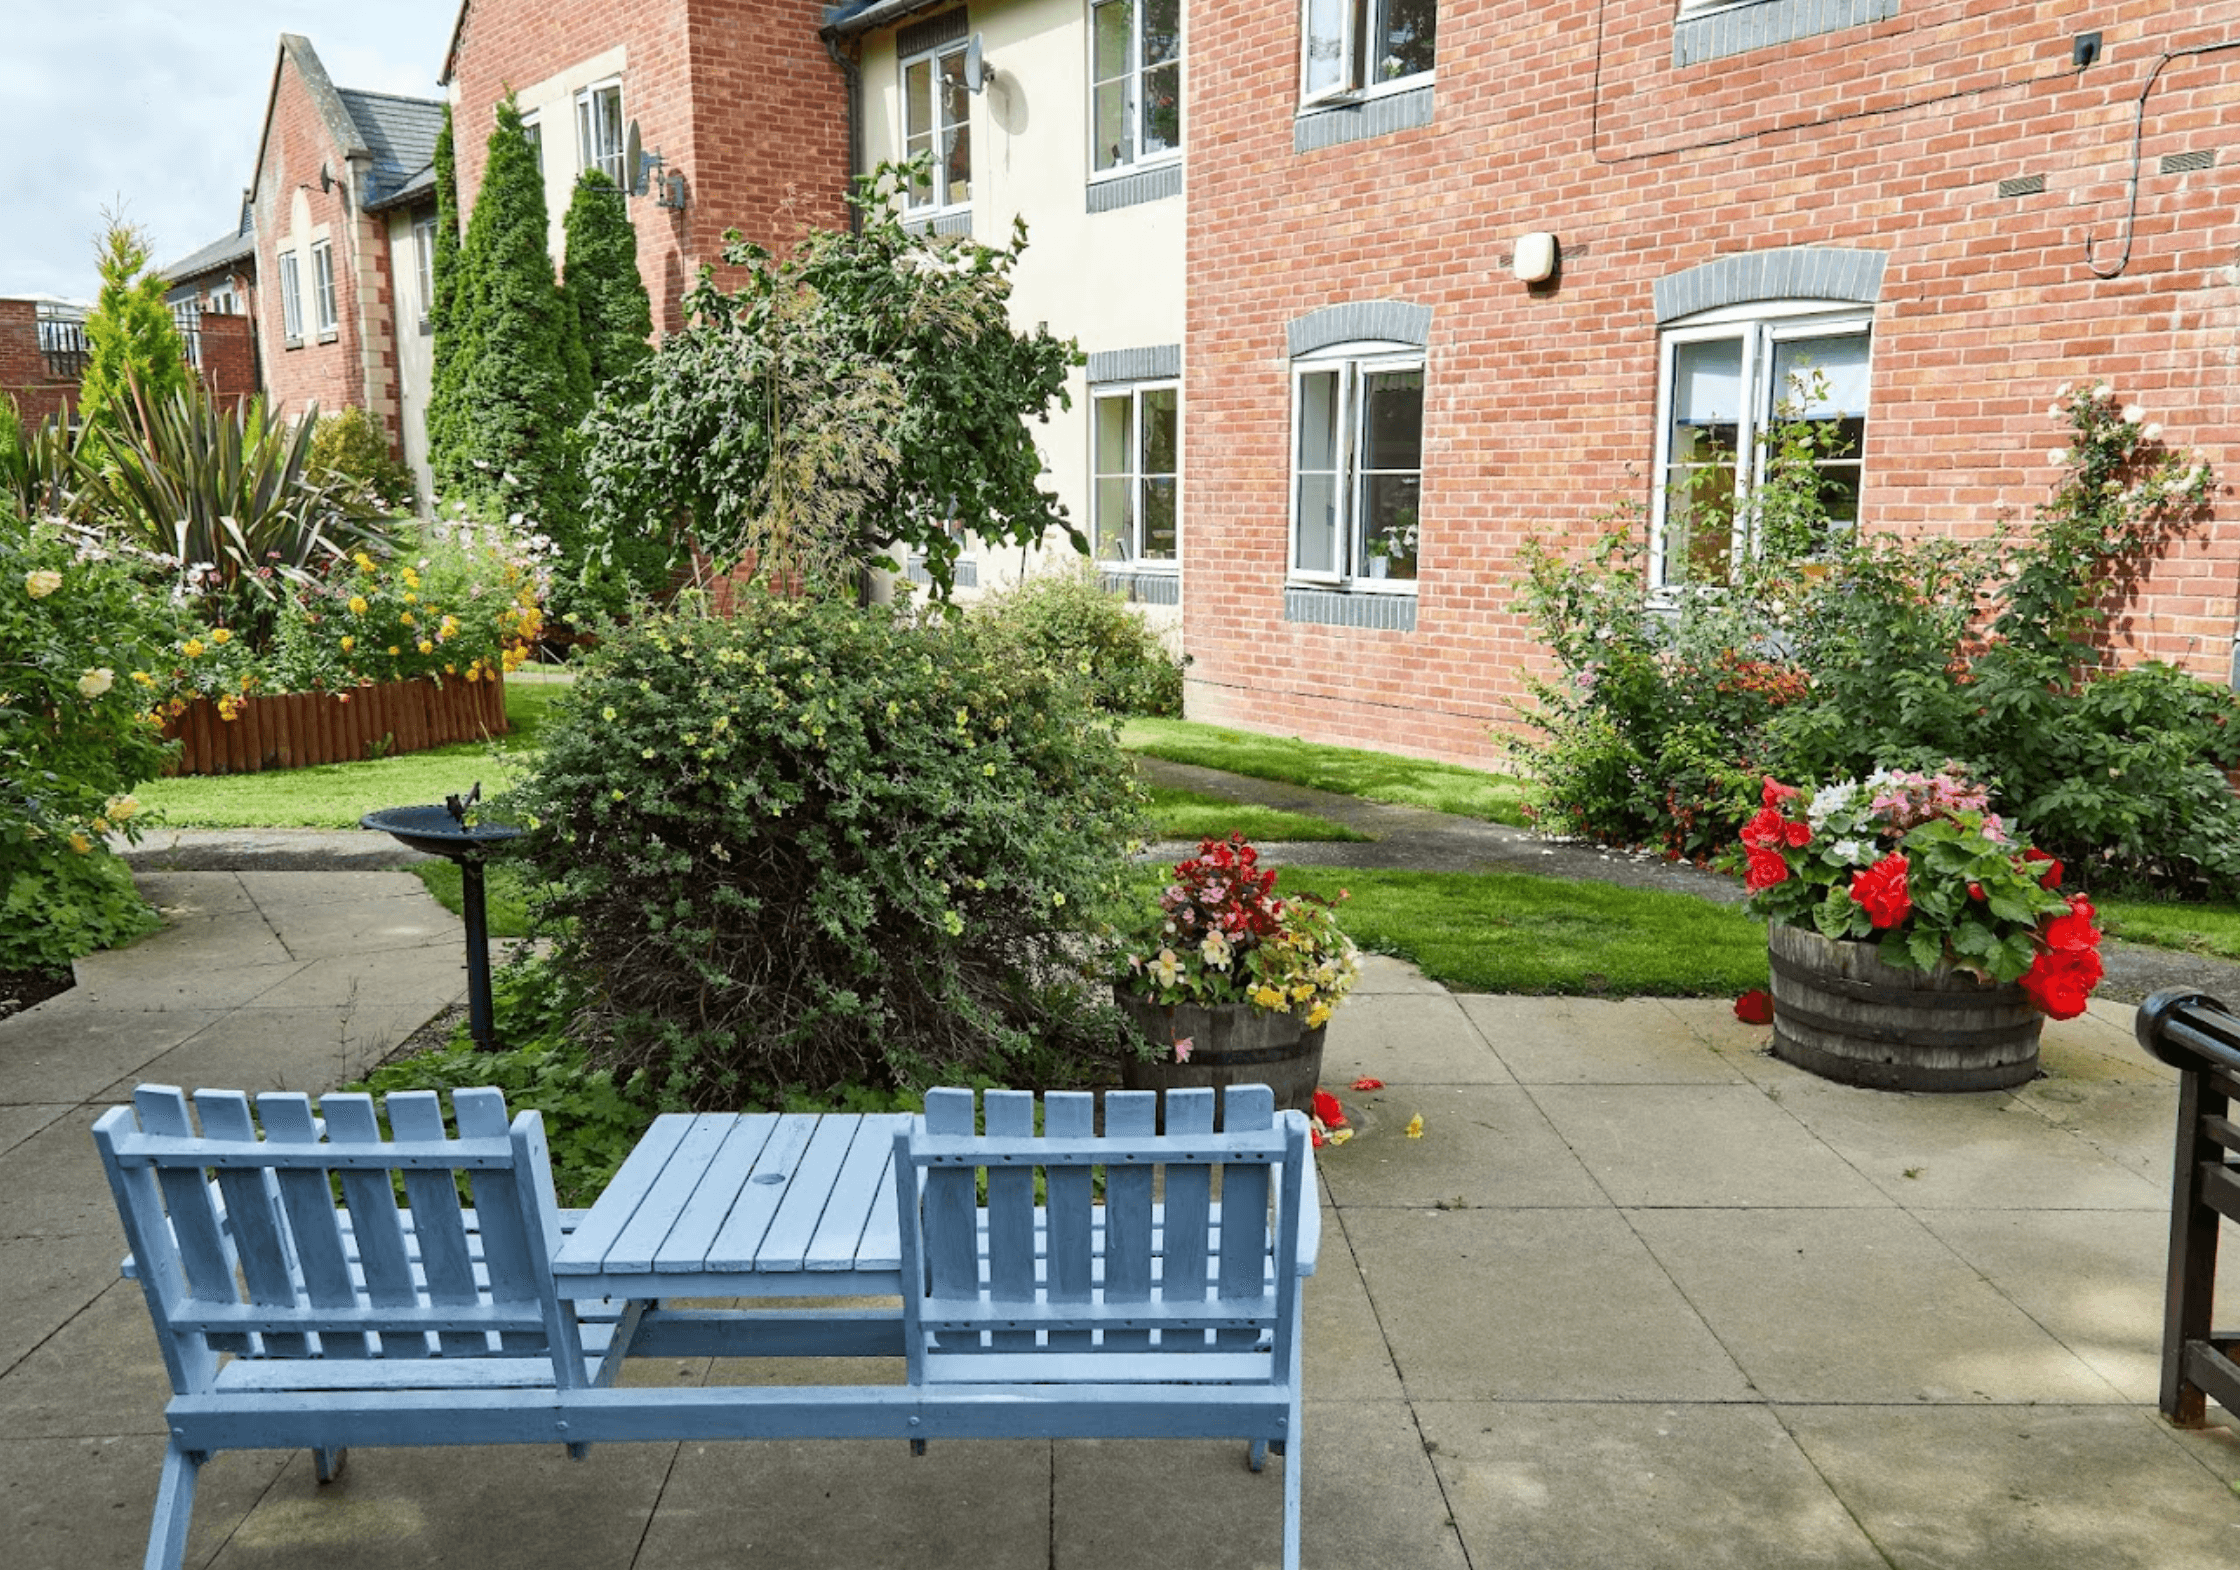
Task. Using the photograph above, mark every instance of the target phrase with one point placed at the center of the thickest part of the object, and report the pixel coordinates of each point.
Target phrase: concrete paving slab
(1593, 1041)
(1594, 1485)
(1857, 1305)
(1346, 1358)
(71, 1504)
(97, 1373)
(509, 1507)
(43, 1280)
(1481, 1145)
(273, 892)
(70, 1049)
(1968, 1152)
(1535, 1305)
(1381, 974)
(1699, 1145)
(367, 926)
(2094, 1279)
(1407, 1038)
(19, 1123)
(307, 1049)
(2133, 1125)
(183, 896)
(963, 1505)
(54, 1185)
(2009, 1488)
(156, 984)
(228, 939)
(437, 974)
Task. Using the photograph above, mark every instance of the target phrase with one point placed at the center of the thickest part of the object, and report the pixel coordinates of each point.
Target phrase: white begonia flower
(1847, 851)
(2063, 390)
(1829, 800)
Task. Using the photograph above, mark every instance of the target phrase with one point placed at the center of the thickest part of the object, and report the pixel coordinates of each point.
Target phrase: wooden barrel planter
(294, 730)
(1231, 1044)
(1846, 1016)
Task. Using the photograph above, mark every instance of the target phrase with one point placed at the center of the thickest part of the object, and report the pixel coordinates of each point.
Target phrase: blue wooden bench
(406, 1315)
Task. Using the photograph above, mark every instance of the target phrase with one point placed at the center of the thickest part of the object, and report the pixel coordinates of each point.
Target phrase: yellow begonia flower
(363, 560)
(406, 618)
(96, 682)
(1269, 997)
(42, 583)
(1318, 1016)
(393, 649)
(143, 678)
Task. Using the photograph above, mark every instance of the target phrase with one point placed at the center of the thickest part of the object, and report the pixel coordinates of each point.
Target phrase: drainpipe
(852, 74)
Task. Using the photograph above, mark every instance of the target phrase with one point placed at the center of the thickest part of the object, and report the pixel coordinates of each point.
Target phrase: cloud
(153, 108)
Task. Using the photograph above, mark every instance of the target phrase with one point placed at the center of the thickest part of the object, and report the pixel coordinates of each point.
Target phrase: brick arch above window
(1362, 321)
(1790, 273)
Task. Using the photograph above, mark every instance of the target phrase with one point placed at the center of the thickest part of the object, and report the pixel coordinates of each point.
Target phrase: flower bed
(247, 735)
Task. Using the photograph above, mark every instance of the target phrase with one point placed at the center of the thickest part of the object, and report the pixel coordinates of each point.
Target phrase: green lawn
(1349, 771)
(2197, 929)
(337, 795)
(1192, 815)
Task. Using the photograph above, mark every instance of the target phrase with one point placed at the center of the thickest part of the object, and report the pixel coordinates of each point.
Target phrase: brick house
(1930, 204)
(212, 296)
(342, 205)
(738, 97)
(42, 355)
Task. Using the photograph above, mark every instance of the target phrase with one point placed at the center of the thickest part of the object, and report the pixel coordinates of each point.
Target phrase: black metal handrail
(2199, 1037)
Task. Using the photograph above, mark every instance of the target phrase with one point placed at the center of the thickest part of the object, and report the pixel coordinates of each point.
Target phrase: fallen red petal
(1754, 1007)
(1366, 1083)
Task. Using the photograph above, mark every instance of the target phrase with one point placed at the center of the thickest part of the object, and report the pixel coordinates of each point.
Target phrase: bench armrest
(1310, 1220)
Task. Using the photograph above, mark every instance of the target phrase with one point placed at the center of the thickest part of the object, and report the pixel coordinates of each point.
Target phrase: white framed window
(1135, 81)
(533, 128)
(936, 124)
(1357, 466)
(1356, 46)
(1135, 464)
(424, 261)
(599, 129)
(322, 285)
(1729, 379)
(291, 298)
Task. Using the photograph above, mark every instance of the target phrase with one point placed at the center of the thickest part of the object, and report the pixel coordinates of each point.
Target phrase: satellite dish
(633, 161)
(977, 68)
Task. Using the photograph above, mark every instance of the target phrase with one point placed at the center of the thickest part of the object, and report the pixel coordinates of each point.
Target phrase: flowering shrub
(73, 742)
(1222, 936)
(815, 843)
(1921, 863)
(460, 602)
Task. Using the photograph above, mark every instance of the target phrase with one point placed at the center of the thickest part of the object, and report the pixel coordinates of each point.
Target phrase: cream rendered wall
(415, 350)
(1109, 280)
(553, 103)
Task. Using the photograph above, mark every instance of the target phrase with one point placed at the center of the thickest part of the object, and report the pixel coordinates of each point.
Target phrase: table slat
(657, 1213)
(864, 1182)
(786, 1245)
(715, 1192)
(740, 1240)
(585, 1251)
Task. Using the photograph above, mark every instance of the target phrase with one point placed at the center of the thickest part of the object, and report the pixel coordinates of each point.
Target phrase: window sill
(1352, 605)
(1146, 583)
(1379, 111)
(947, 221)
(1716, 32)
(1113, 189)
(291, 343)
(329, 336)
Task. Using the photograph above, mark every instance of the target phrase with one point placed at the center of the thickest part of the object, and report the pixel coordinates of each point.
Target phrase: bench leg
(1291, 1492)
(326, 1465)
(167, 1535)
(1257, 1456)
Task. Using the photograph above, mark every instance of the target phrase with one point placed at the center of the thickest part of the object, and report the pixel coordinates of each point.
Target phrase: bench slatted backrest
(1160, 1270)
(240, 1246)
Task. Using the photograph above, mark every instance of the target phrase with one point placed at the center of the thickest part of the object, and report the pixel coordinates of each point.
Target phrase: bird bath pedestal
(442, 830)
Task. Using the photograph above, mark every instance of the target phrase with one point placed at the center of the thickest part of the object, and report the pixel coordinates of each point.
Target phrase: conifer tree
(447, 350)
(523, 382)
(615, 312)
(132, 341)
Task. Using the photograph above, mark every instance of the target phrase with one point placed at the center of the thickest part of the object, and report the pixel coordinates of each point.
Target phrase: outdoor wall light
(1535, 258)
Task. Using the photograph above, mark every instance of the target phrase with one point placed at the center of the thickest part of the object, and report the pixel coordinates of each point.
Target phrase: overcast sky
(155, 106)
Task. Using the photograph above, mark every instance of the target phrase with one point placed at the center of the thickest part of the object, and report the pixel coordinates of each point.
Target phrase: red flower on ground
(1326, 1108)
(1367, 1083)
(1767, 867)
(1754, 1007)
(1881, 890)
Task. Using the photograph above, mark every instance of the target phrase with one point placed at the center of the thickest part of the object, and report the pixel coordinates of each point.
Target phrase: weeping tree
(614, 314)
(866, 393)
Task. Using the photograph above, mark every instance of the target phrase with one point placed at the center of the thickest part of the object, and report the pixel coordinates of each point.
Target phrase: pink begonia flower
(1182, 1048)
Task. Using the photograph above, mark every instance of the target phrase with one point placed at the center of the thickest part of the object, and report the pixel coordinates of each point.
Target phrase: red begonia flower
(1327, 1109)
(1881, 890)
(1767, 868)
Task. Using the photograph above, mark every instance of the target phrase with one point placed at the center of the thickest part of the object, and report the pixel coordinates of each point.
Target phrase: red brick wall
(355, 365)
(738, 95)
(229, 358)
(1541, 404)
(23, 367)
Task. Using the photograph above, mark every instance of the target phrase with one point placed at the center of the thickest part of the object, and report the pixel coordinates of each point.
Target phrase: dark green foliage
(866, 393)
(448, 345)
(134, 348)
(57, 906)
(1069, 621)
(615, 313)
(816, 844)
(350, 457)
(39, 469)
(519, 382)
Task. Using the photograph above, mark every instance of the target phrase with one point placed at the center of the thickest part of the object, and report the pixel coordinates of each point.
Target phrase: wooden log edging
(295, 730)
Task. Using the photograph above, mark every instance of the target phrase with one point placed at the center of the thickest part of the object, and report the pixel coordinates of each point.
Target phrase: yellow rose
(96, 682)
(406, 618)
(42, 583)
(191, 648)
(348, 643)
(357, 605)
(121, 808)
(393, 649)
(426, 647)
(220, 635)
(79, 843)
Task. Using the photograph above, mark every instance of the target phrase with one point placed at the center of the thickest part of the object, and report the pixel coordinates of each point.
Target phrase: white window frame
(323, 314)
(532, 128)
(933, 205)
(1352, 361)
(424, 262)
(1761, 326)
(591, 151)
(1134, 474)
(291, 298)
(1355, 19)
(1132, 78)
